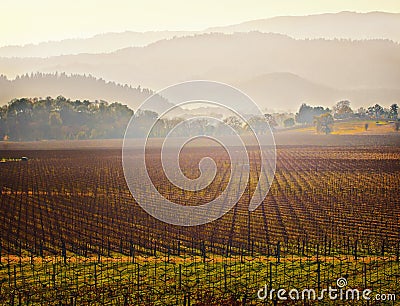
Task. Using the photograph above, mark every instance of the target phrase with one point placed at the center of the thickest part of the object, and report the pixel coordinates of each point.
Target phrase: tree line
(342, 110)
(60, 118)
(63, 119)
(323, 118)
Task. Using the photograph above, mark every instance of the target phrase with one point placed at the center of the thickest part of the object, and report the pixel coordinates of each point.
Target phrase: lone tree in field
(323, 123)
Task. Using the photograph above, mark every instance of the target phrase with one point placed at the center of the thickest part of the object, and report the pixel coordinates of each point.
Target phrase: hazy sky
(27, 21)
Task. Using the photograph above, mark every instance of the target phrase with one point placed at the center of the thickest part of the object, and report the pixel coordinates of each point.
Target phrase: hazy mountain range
(347, 25)
(278, 71)
(101, 43)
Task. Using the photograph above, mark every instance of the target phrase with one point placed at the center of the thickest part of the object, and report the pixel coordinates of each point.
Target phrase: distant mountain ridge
(101, 43)
(342, 25)
(232, 58)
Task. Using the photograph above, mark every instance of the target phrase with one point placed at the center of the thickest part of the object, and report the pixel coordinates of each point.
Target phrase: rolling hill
(368, 68)
(289, 91)
(74, 87)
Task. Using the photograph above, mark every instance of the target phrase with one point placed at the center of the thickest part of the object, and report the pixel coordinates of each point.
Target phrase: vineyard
(72, 234)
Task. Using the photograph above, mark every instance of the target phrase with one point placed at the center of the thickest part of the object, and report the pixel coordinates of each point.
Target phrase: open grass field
(355, 127)
(72, 234)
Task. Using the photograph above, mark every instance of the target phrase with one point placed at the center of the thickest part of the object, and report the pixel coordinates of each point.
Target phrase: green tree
(307, 113)
(289, 122)
(60, 118)
(3, 122)
(324, 123)
(258, 123)
(144, 120)
(271, 120)
(234, 123)
(342, 110)
(393, 113)
(375, 111)
(19, 114)
(55, 123)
